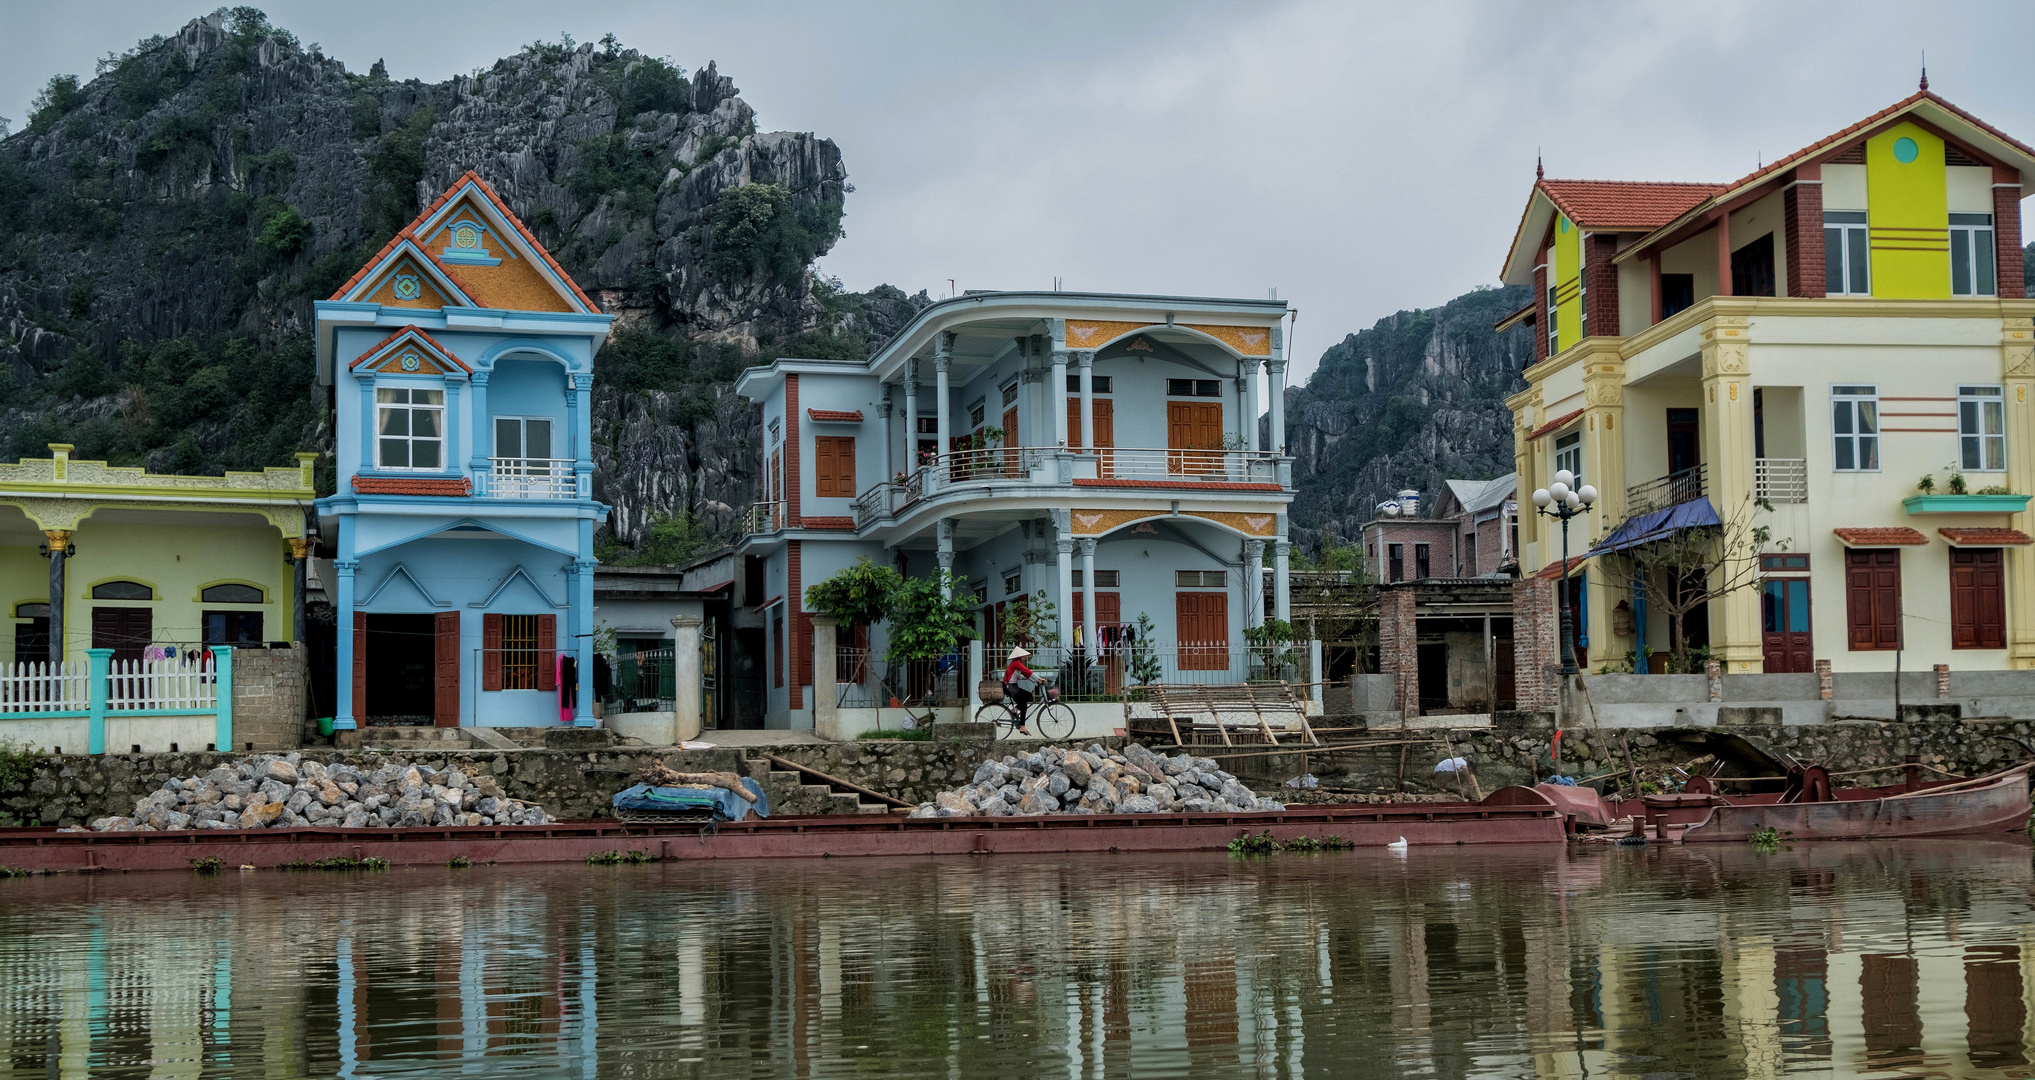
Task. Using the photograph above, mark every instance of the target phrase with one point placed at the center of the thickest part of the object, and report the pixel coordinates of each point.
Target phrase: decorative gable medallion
(410, 351)
(407, 287)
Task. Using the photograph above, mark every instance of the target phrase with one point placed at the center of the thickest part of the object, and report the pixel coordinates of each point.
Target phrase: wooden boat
(1809, 808)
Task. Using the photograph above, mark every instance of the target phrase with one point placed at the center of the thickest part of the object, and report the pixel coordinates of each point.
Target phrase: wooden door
(1012, 460)
(1784, 623)
(1505, 681)
(127, 631)
(1194, 432)
(1872, 601)
(445, 669)
(1978, 615)
(1201, 624)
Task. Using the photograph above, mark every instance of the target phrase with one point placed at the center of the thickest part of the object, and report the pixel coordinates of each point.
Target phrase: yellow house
(97, 556)
(1798, 347)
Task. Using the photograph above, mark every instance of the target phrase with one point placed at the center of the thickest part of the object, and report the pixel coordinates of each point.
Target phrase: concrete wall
(269, 688)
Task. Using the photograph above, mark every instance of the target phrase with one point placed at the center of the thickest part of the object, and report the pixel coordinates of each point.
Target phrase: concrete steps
(793, 792)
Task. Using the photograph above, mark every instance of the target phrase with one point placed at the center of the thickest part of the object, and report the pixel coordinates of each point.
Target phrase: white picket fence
(45, 687)
(179, 684)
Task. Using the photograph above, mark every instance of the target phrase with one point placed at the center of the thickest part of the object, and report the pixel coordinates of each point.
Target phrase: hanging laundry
(568, 687)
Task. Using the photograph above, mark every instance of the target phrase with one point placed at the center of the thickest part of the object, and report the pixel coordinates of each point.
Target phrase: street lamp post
(1557, 500)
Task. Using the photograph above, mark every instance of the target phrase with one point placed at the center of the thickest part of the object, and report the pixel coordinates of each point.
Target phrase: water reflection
(1886, 959)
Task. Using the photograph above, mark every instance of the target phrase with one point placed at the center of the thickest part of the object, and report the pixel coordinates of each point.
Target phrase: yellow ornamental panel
(1086, 334)
(1908, 211)
(1567, 277)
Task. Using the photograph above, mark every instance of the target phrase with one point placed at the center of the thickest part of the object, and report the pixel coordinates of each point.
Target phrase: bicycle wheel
(999, 717)
(1056, 721)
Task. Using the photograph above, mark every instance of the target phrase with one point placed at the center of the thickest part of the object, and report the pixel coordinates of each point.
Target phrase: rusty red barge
(783, 837)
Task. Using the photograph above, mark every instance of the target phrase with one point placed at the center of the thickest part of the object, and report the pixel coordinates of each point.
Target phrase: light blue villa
(1102, 449)
(461, 362)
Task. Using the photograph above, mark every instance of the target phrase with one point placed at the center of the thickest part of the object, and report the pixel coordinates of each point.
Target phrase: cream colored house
(1820, 335)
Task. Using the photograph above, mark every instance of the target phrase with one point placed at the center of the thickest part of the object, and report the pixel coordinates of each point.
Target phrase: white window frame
(1554, 320)
(523, 437)
(1979, 266)
(1980, 408)
(410, 440)
(1852, 398)
(1852, 251)
(1569, 455)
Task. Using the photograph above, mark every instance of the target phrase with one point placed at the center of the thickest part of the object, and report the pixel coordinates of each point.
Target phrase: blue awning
(1657, 525)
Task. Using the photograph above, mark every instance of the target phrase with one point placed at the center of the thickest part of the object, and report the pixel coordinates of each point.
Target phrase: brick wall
(1600, 282)
(2007, 230)
(1536, 644)
(1802, 225)
(1540, 313)
(1398, 647)
(269, 686)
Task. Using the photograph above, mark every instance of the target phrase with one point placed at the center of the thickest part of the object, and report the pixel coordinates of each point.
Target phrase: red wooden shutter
(547, 652)
(1978, 618)
(360, 664)
(1886, 587)
(491, 652)
(1963, 599)
(844, 466)
(823, 466)
(1861, 623)
(1992, 599)
(445, 669)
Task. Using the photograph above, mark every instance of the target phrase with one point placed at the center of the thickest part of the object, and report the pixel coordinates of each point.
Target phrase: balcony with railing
(764, 517)
(532, 478)
(1664, 491)
(1008, 470)
(1781, 480)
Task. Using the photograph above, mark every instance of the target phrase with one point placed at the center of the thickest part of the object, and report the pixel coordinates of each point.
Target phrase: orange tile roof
(1896, 536)
(845, 415)
(1986, 537)
(397, 485)
(1625, 205)
(1553, 425)
(411, 329)
(1553, 570)
(511, 218)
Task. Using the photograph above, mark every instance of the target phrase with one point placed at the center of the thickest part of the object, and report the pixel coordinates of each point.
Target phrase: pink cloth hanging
(558, 680)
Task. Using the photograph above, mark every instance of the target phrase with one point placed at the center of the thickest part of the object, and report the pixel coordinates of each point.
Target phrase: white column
(1059, 397)
(1275, 387)
(974, 677)
(1282, 588)
(941, 361)
(826, 720)
(685, 676)
(1254, 583)
(1065, 544)
(1088, 596)
(1086, 359)
(945, 533)
(889, 437)
(911, 417)
(1249, 367)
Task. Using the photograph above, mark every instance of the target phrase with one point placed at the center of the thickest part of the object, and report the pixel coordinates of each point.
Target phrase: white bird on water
(1397, 845)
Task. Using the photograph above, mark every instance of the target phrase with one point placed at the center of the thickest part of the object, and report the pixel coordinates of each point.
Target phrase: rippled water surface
(1834, 959)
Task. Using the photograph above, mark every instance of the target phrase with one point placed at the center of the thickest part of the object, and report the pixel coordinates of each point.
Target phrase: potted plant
(1958, 498)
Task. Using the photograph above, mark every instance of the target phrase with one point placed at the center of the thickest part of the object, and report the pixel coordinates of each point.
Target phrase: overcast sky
(1360, 158)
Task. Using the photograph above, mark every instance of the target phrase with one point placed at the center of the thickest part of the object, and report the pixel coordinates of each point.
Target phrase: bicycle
(1052, 718)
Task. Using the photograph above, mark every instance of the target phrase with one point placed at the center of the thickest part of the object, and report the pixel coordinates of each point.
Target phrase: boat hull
(1998, 804)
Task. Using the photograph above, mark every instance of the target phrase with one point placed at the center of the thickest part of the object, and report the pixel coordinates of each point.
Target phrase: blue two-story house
(461, 362)
(1089, 466)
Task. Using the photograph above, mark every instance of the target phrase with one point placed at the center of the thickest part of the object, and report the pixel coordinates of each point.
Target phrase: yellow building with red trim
(1798, 347)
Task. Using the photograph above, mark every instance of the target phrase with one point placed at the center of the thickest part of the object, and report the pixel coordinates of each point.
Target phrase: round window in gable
(1905, 150)
(122, 590)
(231, 594)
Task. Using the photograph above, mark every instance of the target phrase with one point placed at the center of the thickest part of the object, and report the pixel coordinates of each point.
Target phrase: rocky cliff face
(1414, 400)
(165, 226)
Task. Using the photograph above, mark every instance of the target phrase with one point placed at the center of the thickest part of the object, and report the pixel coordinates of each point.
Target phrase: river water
(1825, 959)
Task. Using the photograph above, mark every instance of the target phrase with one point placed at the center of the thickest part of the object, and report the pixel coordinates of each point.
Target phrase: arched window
(122, 590)
(231, 594)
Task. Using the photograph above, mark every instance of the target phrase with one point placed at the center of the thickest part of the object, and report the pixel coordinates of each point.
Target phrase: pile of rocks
(268, 792)
(1068, 780)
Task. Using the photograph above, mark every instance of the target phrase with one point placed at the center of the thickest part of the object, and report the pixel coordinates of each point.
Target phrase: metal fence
(642, 681)
(1117, 671)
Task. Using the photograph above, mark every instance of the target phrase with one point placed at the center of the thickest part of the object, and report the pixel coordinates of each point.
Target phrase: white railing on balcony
(1781, 480)
(162, 684)
(532, 478)
(878, 502)
(1185, 466)
(44, 687)
(765, 517)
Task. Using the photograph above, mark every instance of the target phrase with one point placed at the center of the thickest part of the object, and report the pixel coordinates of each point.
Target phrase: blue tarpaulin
(726, 805)
(1657, 525)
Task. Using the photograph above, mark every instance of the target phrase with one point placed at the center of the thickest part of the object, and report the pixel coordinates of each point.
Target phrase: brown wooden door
(1011, 457)
(1505, 681)
(1201, 624)
(1978, 612)
(1194, 426)
(1872, 600)
(127, 631)
(445, 669)
(1784, 624)
(1105, 430)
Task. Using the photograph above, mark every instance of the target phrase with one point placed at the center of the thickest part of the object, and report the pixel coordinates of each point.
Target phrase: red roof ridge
(419, 485)
(1551, 425)
(1881, 536)
(1986, 537)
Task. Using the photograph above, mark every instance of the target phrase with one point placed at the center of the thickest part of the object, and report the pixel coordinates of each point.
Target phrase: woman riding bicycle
(1018, 681)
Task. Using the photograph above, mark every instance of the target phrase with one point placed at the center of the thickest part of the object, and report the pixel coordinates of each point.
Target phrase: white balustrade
(1781, 480)
(532, 478)
(182, 683)
(45, 687)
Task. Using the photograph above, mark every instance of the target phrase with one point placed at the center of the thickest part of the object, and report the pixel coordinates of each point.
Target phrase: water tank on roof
(1409, 503)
